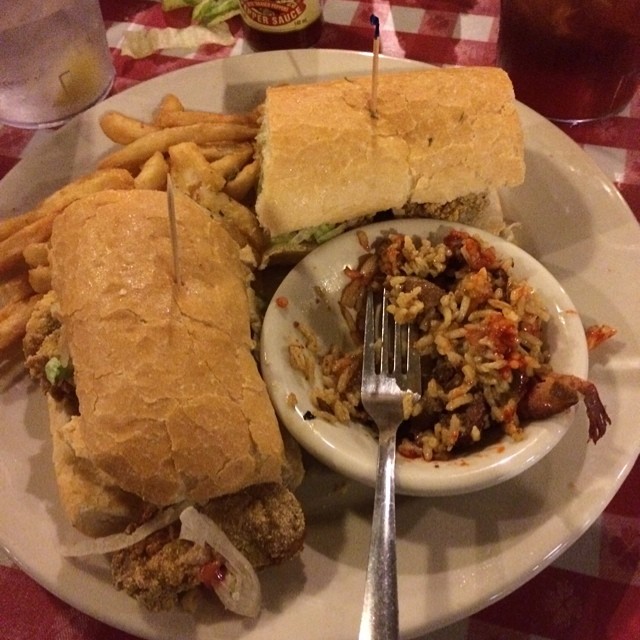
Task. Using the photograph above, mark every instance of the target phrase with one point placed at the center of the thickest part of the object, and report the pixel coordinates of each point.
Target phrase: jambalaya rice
(480, 338)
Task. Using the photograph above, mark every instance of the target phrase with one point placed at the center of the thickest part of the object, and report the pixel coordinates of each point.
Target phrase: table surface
(564, 601)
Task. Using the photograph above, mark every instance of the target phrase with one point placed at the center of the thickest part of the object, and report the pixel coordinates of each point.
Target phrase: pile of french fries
(209, 156)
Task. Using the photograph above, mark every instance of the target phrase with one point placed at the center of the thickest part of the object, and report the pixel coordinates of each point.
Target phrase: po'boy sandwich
(161, 424)
(440, 144)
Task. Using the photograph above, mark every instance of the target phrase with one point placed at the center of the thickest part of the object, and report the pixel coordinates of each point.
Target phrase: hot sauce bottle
(281, 24)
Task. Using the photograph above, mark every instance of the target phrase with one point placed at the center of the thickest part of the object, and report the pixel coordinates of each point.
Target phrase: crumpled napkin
(140, 43)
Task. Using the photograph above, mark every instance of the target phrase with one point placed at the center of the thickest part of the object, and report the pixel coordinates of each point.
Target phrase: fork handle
(380, 610)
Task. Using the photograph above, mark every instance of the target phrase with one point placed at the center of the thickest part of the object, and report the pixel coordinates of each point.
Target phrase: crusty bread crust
(171, 400)
(440, 134)
(92, 500)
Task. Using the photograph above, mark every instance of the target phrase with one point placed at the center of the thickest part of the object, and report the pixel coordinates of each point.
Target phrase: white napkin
(140, 43)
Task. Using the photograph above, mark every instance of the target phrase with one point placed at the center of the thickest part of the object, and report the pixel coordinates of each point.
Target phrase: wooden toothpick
(173, 228)
(373, 104)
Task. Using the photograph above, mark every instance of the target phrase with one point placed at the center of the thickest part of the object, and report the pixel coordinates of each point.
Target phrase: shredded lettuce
(57, 372)
(325, 232)
(206, 12)
(210, 12)
(318, 235)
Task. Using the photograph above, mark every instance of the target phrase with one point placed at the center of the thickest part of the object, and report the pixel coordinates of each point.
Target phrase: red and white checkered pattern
(593, 591)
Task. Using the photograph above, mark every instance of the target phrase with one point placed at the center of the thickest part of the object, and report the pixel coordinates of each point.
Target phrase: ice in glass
(54, 60)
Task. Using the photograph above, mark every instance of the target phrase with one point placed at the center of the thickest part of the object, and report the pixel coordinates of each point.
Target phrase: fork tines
(387, 346)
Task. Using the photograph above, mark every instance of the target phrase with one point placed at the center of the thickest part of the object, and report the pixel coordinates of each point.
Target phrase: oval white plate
(313, 289)
(455, 554)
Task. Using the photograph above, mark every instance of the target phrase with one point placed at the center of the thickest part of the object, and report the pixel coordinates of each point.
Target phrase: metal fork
(383, 391)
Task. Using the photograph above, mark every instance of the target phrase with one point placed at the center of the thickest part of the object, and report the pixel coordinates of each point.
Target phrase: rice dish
(480, 334)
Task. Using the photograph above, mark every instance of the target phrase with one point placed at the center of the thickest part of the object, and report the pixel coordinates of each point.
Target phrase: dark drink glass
(571, 60)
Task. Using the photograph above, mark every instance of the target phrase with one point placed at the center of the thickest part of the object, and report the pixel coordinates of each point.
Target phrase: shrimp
(597, 334)
(556, 392)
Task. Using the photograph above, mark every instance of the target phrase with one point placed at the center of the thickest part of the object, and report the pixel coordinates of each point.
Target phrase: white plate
(455, 554)
(351, 449)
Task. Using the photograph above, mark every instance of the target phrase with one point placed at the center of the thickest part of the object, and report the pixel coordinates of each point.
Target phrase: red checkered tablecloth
(593, 591)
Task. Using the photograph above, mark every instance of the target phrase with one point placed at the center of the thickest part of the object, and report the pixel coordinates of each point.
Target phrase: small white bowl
(312, 290)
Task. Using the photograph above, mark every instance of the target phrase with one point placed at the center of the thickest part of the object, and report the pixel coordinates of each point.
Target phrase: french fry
(123, 129)
(14, 289)
(240, 220)
(190, 170)
(35, 225)
(181, 118)
(13, 320)
(217, 151)
(137, 152)
(241, 185)
(153, 173)
(12, 248)
(169, 103)
(96, 181)
(230, 165)
(91, 183)
(40, 278)
(36, 254)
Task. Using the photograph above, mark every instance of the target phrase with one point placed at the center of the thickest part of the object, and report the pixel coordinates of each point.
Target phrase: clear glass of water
(54, 61)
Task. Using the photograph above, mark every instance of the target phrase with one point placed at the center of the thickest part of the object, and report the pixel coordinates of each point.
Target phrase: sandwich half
(155, 398)
(440, 144)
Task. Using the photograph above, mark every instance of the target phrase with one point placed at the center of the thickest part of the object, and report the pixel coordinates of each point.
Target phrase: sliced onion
(118, 541)
(240, 590)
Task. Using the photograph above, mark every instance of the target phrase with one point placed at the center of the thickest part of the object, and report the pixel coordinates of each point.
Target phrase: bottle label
(279, 16)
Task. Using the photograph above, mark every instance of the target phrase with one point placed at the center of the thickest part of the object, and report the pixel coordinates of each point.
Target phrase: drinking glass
(571, 60)
(54, 61)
